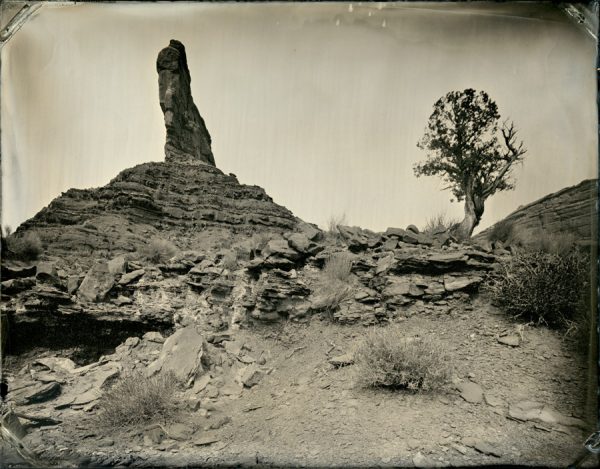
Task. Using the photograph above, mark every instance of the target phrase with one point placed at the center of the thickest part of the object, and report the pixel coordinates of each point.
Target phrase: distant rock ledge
(571, 210)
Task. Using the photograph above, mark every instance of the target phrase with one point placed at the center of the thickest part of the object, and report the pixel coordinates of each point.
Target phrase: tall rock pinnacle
(187, 136)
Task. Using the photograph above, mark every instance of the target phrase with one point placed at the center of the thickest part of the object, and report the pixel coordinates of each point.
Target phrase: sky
(320, 104)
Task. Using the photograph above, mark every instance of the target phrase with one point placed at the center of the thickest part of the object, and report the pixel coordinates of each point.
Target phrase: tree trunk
(473, 212)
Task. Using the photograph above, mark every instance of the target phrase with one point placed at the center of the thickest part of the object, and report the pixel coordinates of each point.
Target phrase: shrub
(27, 247)
(229, 260)
(333, 224)
(557, 243)
(438, 223)
(136, 399)
(385, 359)
(543, 287)
(158, 250)
(334, 282)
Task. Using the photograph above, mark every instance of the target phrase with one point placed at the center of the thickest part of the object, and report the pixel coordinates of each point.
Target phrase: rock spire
(188, 139)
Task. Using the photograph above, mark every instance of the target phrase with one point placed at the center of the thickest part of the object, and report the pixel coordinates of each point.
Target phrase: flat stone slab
(470, 392)
(511, 340)
(181, 354)
(538, 412)
(342, 360)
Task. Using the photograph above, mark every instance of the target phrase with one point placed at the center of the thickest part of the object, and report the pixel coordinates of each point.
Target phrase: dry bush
(136, 399)
(229, 260)
(333, 224)
(557, 243)
(158, 250)
(438, 223)
(334, 282)
(543, 287)
(27, 247)
(385, 359)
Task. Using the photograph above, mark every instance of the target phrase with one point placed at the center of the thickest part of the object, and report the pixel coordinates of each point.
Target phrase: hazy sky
(320, 104)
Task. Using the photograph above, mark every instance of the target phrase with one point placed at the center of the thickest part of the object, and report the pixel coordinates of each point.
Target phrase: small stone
(179, 431)
(206, 439)
(123, 300)
(493, 401)
(470, 392)
(154, 336)
(511, 340)
(131, 276)
(219, 421)
(249, 376)
(342, 360)
(422, 461)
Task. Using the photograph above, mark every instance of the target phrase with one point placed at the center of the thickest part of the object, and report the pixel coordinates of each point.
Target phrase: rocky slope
(571, 211)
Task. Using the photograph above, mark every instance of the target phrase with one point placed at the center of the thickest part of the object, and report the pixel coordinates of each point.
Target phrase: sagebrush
(158, 250)
(543, 287)
(385, 359)
(136, 399)
(27, 247)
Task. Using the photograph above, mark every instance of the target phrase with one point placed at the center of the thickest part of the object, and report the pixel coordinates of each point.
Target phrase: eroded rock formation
(570, 211)
(188, 139)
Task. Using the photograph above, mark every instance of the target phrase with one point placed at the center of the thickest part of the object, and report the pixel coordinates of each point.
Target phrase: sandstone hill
(177, 266)
(572, 210)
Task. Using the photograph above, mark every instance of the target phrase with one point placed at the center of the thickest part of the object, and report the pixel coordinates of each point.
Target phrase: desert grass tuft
(439, 223)
(158, 250)
(136, 399)
(384, 359)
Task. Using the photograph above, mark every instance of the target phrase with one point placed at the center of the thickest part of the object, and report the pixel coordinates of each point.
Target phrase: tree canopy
(469, 148)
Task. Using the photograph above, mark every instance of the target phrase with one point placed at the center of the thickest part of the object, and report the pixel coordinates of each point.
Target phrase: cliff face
(571, 210)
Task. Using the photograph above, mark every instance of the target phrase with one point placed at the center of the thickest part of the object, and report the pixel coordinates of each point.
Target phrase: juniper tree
(471, 150)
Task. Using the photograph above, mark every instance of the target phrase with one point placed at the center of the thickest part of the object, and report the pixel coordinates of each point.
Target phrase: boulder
(299, 242)
(46, 273)
(183, 354)
(281, 248)
(97, 283)
(412, 228)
